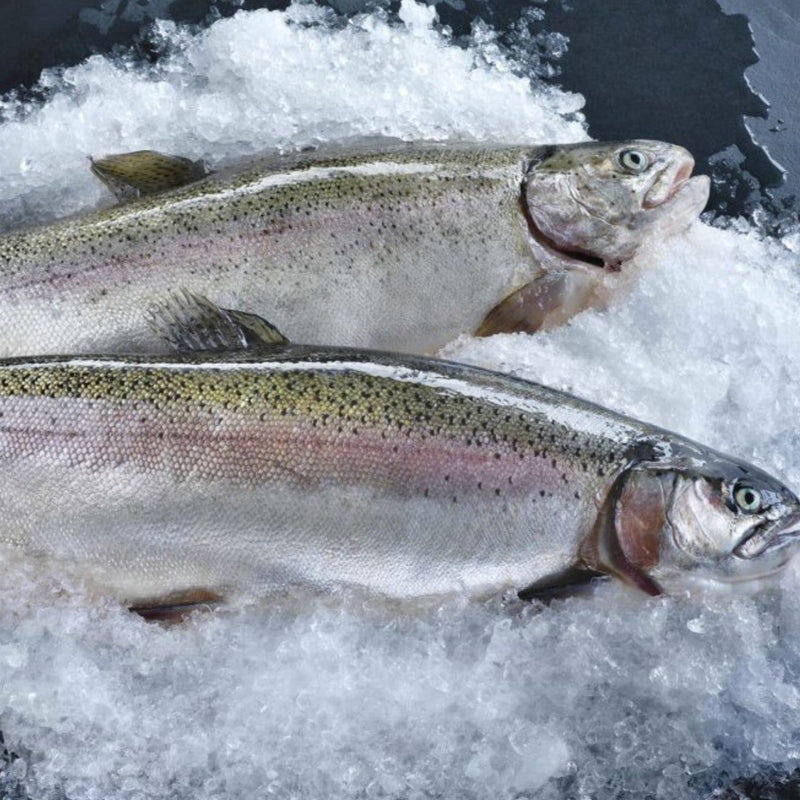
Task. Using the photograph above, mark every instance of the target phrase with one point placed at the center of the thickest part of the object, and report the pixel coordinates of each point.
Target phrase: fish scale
(399, 441)
(325, 396)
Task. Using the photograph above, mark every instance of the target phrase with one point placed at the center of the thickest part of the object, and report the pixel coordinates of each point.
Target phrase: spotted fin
(546, 302)
(177, 606)
(191, 323)
(143, 172)
(567, 583)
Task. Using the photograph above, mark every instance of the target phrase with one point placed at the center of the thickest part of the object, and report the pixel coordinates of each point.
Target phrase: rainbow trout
(235, 475)
(389, 245)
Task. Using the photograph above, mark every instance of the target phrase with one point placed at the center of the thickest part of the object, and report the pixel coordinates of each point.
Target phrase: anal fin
(567, 583)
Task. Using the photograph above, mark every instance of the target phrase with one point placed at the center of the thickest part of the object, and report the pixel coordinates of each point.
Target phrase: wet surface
(690, 86)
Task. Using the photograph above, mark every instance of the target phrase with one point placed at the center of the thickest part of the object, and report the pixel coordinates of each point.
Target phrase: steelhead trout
(233, 476)
(389, 245)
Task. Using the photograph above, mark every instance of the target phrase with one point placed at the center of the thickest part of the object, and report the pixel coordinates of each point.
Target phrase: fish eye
(747, 499)
(633, 160)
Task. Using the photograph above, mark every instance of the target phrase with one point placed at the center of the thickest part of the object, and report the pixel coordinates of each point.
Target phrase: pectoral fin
(192, 323)
(546, 302)
(175, 607)
(567, 583)
(143, 172)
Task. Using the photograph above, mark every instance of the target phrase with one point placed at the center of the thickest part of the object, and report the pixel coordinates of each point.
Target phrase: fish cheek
(582, 216)
(702, 527)
(551, 208)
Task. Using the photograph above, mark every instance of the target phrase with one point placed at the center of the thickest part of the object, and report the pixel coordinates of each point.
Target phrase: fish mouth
(671, 180)
(770, 536)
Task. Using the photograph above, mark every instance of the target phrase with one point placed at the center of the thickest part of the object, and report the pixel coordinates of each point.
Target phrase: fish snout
(770, 536)
(673, 178)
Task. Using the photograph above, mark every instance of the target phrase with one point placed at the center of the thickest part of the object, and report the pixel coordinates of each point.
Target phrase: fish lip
(770, 535)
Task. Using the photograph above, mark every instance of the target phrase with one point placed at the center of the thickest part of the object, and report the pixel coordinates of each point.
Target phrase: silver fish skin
(197, 476)
(386, 245)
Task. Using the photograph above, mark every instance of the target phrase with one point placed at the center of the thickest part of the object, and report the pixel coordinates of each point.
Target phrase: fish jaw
(680, 208)
(670, 179)
(781, 535)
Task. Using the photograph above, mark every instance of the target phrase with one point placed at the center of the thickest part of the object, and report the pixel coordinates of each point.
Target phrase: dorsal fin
(143, 172)
(190, 323)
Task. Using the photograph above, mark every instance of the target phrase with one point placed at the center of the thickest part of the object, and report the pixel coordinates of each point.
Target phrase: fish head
(729, 523)
(598, 201)
(698, 519)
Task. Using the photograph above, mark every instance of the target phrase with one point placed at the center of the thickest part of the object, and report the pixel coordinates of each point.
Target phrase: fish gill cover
(608, 697)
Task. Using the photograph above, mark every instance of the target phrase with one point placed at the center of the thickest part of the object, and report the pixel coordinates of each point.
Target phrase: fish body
(261, 472)
(388, 245)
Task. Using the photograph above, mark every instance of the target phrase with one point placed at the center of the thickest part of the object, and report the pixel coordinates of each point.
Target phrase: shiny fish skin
(315, 468)
(386, 245)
